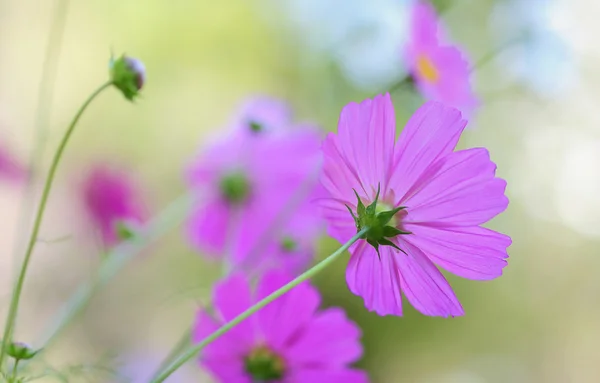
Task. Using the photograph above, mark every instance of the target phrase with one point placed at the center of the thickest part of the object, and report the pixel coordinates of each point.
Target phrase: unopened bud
(21, 351)
(128, 75)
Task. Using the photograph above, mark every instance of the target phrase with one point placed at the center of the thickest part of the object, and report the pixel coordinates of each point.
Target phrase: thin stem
(176, 350)
(15, 369)
(195, 349)
(120, 256)
(43, 110)
(14, 303)
(276, 225)
(488, 57)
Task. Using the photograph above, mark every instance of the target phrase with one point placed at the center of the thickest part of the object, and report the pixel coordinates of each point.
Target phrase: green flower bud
(128, 75)
(20, 351)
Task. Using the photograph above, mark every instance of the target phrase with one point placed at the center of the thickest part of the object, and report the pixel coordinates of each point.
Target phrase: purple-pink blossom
(10, 168)
(289, 341)
(442, 197)
(255, 195)
(440, 70)
(111, 199)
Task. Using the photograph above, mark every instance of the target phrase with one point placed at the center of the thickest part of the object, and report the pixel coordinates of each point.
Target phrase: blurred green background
(540, 322)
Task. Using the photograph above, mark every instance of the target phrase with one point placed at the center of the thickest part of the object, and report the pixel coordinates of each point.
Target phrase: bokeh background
(540, 91)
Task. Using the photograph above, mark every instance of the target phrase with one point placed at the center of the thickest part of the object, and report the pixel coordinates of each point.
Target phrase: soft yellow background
(540, 322)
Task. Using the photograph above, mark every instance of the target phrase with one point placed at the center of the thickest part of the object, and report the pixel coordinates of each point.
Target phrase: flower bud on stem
(16, 294)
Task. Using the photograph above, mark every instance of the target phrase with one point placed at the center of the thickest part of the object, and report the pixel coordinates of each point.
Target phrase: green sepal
(360, 207)
(386, 216)
(21, 351)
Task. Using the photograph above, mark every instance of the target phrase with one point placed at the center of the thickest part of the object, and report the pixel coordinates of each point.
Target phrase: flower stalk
(195, 349)
(16, 295)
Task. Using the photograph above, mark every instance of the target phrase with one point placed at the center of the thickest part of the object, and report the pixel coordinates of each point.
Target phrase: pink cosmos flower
(112, 202)
(440, 198)
(440, 71)
(10, 169)
(245, 185)
(288, 341)
(262, 114)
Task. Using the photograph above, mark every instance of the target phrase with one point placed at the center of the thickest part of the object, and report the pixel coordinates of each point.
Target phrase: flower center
(288, 245)
(264, 366)
(427, 69)
(255, 127)
(235, 188)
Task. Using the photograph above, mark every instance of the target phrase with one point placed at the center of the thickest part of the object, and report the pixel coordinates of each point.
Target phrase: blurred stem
(406, 81)
(176, 350)
(488, 57)
(43, 110)
(292, 204)
(15, 369)
(170, 217)
(16, 295)
(195, 349)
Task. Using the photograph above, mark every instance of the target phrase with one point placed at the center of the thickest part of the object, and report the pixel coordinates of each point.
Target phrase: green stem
(16, 295)
(43, 110)
(15, 369)
(195, 349)
(120, 256)
(178, 348)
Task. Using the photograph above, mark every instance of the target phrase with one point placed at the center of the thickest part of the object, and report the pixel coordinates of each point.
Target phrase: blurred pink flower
(10, 169)
(446, 196)
(288, 341)
(247, 183)
(111, 199)
(288, 243)
(262, 114)
(441, 72)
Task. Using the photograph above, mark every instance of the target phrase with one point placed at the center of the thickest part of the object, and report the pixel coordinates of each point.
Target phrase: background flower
(10, 169)
(266, 174)
(440, 69)
(288, 341)
(111, 198)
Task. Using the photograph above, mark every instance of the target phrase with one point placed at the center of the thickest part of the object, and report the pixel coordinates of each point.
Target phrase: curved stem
(195, 349)
(118, 258)
(43, 110)
(16, 295)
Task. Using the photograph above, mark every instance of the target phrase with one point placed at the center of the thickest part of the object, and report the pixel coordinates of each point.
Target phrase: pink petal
(227, 370)
(341, 224)
(454, 87)
(225, 347)
(360, 156)
(330, 339)
(375, 280)
(207, 227)
(469, 252)
(431, 133)
(459, 190)
(282, 318)
(423, 284)
(316, 375)
(232, 297)
(424, 24)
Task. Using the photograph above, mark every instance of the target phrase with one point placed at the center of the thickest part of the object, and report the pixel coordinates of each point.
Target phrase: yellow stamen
(427, 69)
